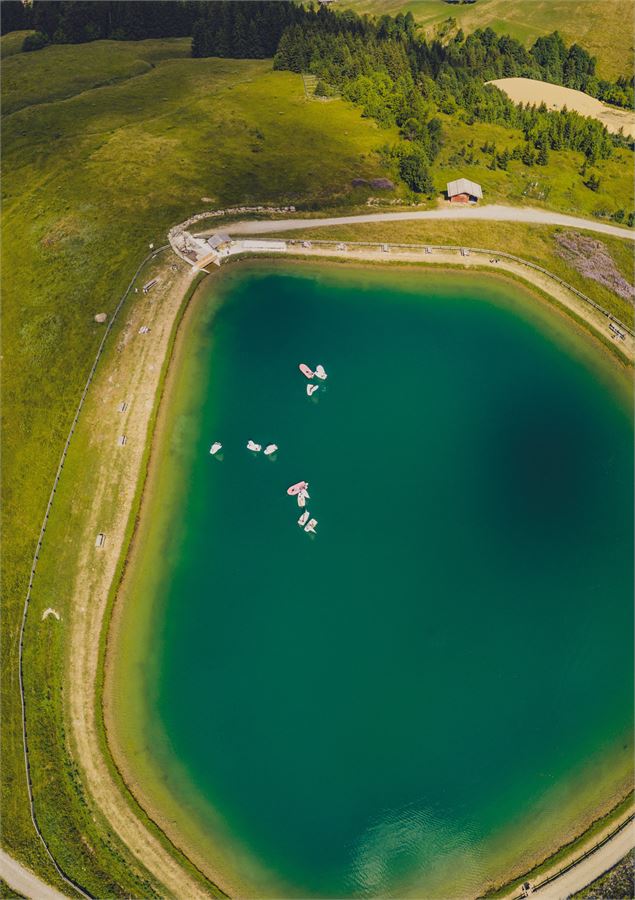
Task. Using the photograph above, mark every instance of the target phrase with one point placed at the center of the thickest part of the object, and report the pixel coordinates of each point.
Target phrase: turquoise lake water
(371, 710)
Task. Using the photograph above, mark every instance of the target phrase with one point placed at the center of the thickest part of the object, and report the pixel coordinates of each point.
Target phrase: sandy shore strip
(529, 90)
(583, 869)
(453, 258)
(161, 806)
(135, 375)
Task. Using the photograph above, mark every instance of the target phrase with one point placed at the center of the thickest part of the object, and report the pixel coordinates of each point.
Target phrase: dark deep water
(370, 710)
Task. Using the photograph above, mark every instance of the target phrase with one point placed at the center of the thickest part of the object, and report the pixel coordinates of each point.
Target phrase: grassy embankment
(7, 893)
(558, 185)
(535, 243)
(92, 174)
(89, 181)
(599, 27)
(12, 43)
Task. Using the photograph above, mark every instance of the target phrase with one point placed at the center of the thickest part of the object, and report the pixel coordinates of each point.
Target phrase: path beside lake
(591, 868)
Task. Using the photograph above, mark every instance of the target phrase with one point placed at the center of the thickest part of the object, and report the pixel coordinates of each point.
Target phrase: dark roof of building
(217, 240)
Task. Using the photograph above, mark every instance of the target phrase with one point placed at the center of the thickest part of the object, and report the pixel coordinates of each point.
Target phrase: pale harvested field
(529, 90)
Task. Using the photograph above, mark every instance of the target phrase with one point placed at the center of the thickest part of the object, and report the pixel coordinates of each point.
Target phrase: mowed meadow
(105, 146)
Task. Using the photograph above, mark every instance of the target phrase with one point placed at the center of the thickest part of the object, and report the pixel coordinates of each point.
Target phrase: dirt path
(493, 213)
(591, 868)
(24, 881)
(133, 376)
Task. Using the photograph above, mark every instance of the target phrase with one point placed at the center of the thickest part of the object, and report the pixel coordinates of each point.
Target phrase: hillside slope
(604, 28)
(105, 146)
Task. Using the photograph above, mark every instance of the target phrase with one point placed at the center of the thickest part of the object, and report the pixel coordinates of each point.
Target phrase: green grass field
(558, 185)
(604, 28)
(93, 172)
(105, 146)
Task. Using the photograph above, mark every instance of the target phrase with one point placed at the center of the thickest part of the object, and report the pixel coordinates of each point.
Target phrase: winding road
(24, 881)
(493, 213)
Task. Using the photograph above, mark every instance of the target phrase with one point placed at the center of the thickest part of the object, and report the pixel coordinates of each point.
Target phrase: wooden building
(464, 191)
(219, 241)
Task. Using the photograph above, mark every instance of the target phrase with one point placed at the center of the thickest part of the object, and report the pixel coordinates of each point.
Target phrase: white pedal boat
(216, 446)
(303, 518)
(251, 445)
(311, 389)
(310, 526)
(270, 448)
(321, 373)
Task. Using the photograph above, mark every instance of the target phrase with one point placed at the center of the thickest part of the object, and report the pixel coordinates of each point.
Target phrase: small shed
(464, 191)
(219, 241)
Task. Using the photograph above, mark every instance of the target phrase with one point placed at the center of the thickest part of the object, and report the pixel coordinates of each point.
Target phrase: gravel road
(492, 213)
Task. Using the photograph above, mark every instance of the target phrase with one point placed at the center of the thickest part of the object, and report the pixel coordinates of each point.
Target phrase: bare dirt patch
(592, 259)
(530, 90)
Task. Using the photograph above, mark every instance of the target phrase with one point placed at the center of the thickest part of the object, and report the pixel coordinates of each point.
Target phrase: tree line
(254, 29)
(242, 30)
(379, 63)
(79, 21)
(400, 80)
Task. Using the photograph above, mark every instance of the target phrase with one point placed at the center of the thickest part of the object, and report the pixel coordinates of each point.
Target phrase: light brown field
(529, 90)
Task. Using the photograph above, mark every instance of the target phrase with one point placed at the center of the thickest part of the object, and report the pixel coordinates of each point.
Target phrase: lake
(434, 689)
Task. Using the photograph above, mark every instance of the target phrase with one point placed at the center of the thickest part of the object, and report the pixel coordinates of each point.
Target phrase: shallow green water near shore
(438, 682)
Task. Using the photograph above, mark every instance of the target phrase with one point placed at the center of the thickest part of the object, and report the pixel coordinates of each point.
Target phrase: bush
(413, 168)
(322, 89)
(34, 41)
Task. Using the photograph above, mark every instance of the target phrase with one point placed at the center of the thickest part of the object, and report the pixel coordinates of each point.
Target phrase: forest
(400, 80)
(254, 28)
(379, 63)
